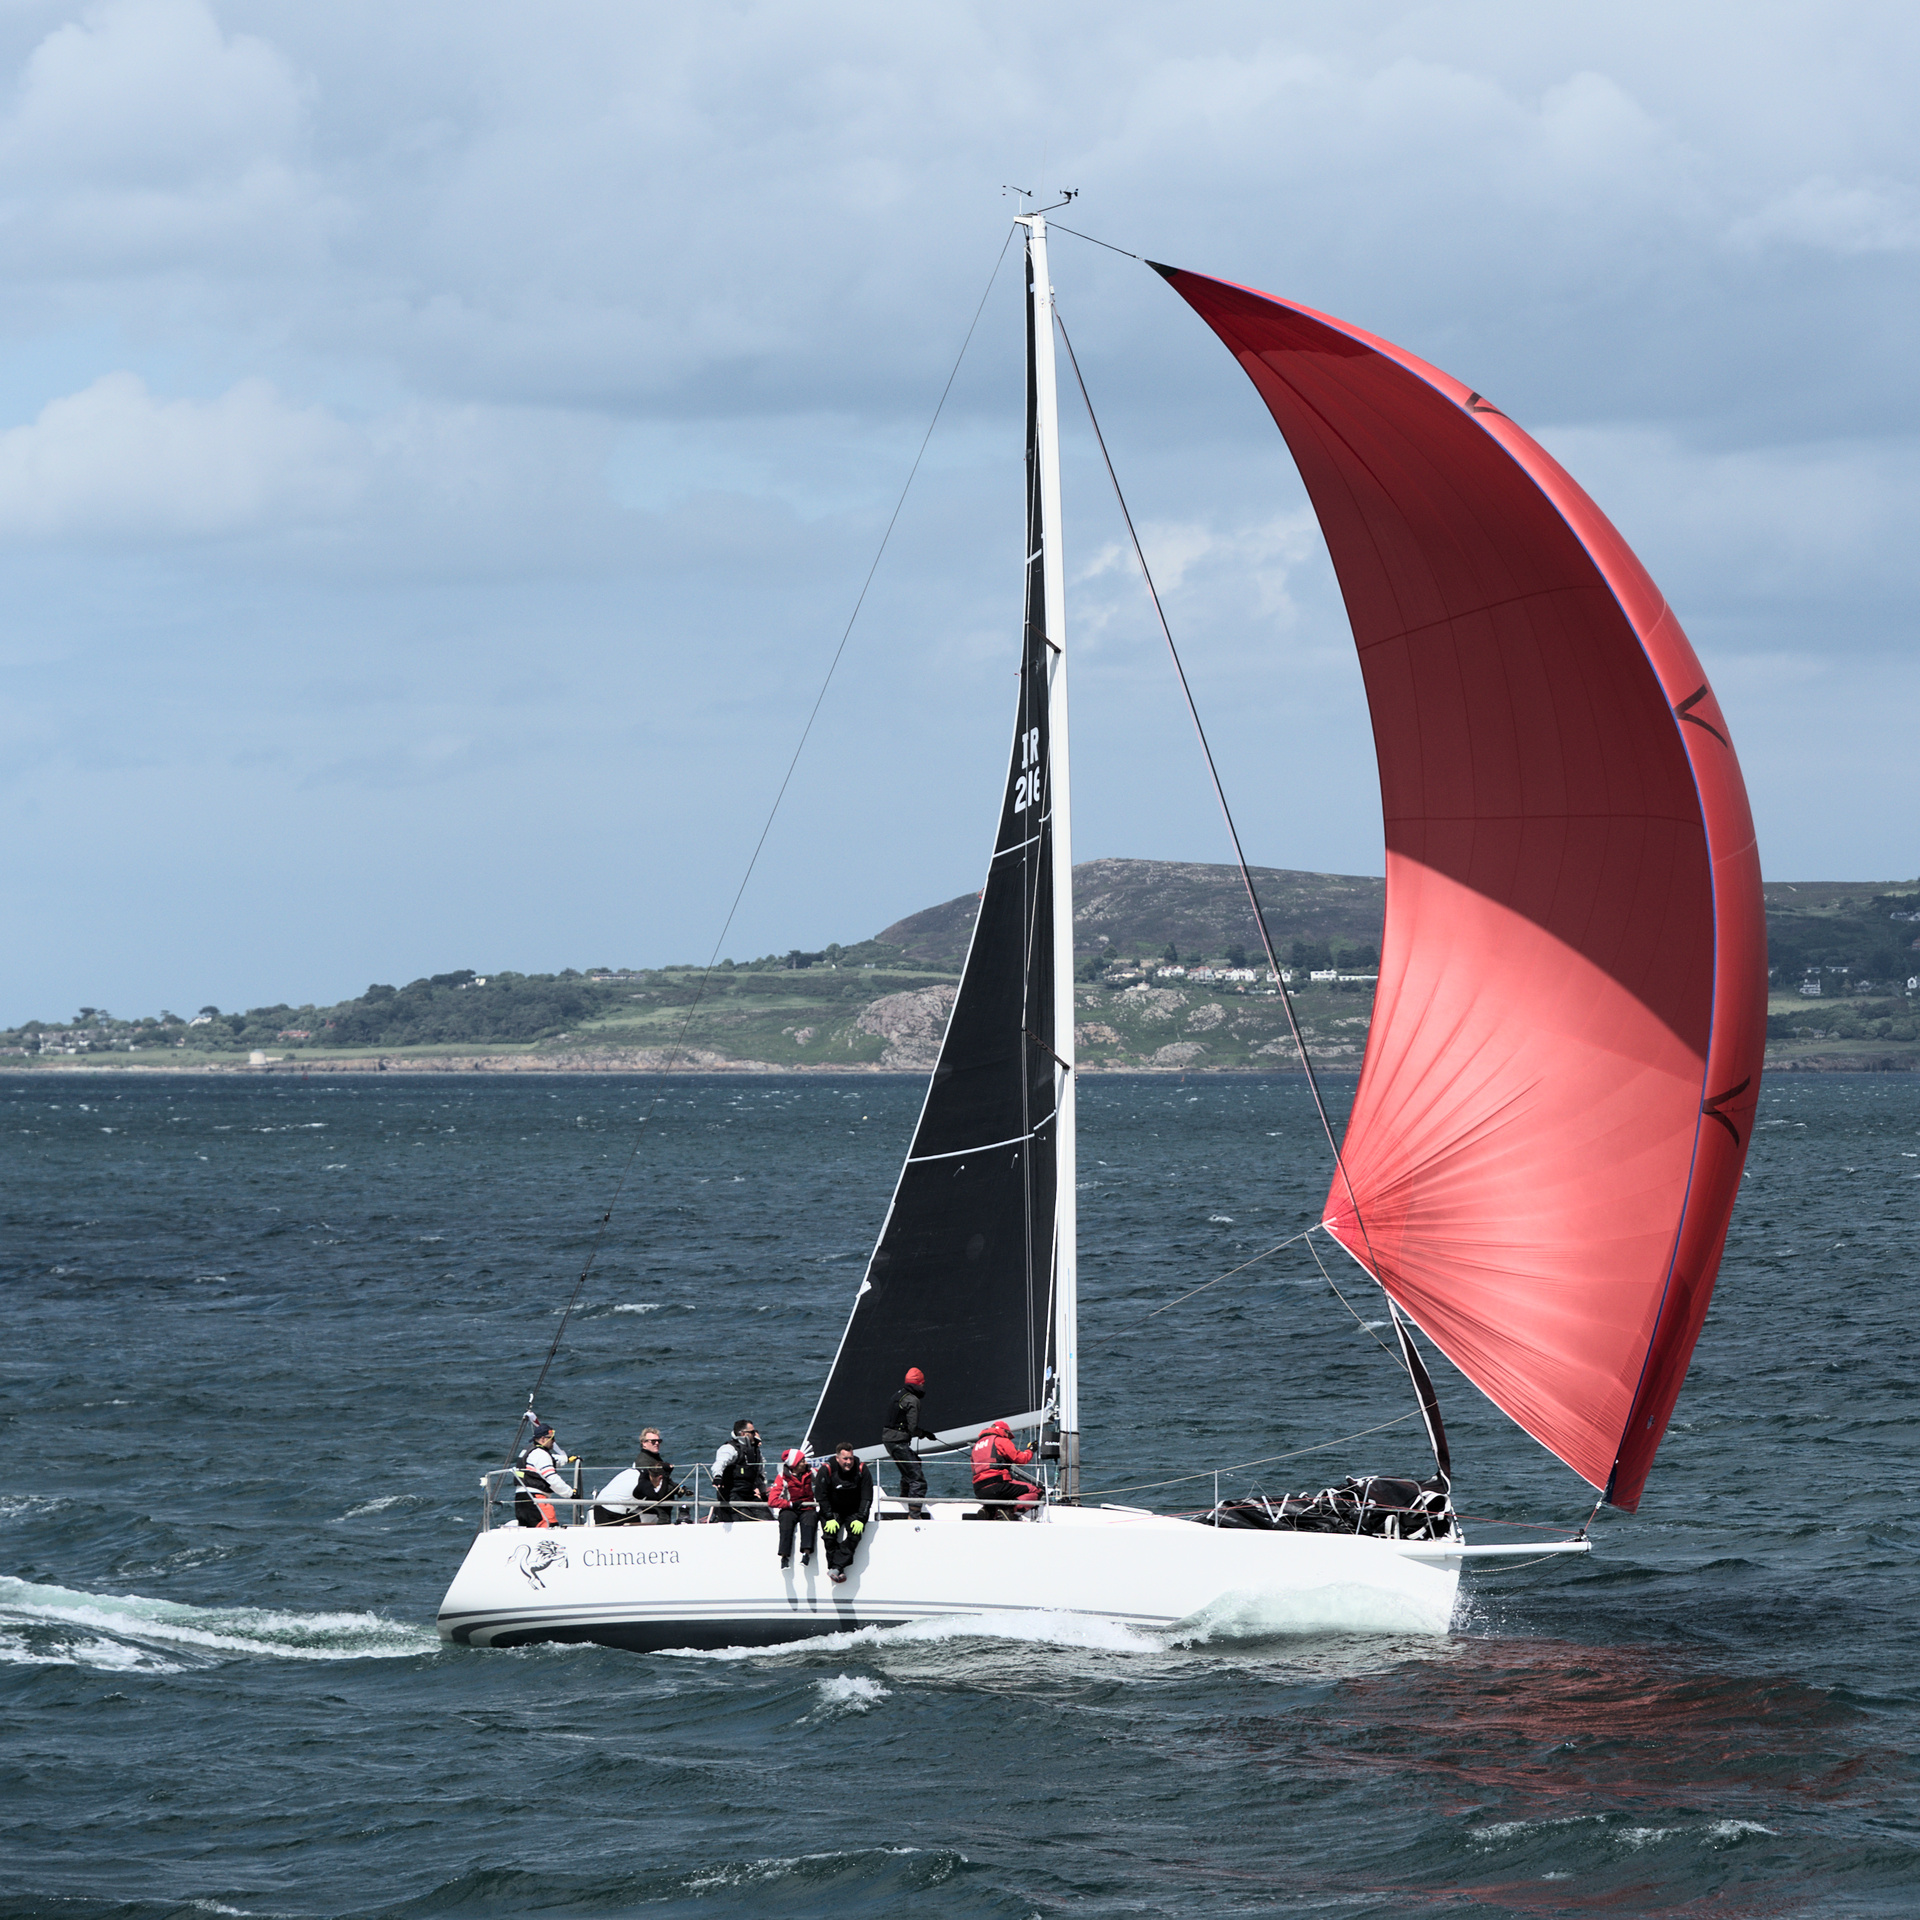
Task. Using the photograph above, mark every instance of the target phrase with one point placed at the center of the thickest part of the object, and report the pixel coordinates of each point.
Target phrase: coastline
(704, 1061)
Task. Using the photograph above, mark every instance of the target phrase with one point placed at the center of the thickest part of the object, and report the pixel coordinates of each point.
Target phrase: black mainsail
(964, 1281)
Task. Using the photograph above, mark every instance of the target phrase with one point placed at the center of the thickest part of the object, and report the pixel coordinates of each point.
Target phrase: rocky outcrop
(912, 1025)
(1182, 1053)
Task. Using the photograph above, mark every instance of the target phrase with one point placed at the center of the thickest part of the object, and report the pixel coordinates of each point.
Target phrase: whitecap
(746, 1872)
(850, 1693)
(13, 1505)
(638, 1306)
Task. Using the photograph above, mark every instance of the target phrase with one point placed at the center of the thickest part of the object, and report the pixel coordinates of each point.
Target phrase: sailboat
(1552, 1115)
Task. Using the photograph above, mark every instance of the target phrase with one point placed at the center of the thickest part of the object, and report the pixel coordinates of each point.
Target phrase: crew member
(739, 1477)
(792, 1501)
(995, 1455)
(655, 1497)
(538, 1481)
(900, 1427)
(844, 1490)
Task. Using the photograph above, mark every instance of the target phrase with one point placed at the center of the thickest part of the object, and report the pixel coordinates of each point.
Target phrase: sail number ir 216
(1026, 789)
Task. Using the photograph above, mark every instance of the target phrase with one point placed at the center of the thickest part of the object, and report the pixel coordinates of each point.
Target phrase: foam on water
(1607, 1829)
(66, 1648)
(1037, 1627)
(1336, 1608)
(385, 1501)
(99, 1623)
(849, 1693)
(746, 1873)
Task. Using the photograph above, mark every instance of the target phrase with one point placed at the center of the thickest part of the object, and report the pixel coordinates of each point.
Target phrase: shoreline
(701, 1063)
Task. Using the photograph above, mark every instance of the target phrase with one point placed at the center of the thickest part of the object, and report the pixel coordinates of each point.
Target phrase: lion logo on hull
(538, 1557)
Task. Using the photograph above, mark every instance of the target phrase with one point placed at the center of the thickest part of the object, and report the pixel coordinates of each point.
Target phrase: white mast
(1066, 1278)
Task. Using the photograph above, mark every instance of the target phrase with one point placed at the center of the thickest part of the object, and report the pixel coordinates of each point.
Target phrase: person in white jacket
(538, 1481)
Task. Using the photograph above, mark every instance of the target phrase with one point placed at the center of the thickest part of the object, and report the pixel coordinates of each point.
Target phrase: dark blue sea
(262, 1336)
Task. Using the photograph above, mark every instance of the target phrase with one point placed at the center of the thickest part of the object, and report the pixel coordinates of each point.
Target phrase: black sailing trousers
(808, 1522)
(913, 1476)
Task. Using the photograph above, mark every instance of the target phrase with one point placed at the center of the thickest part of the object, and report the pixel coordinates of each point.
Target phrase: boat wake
(130, 1633)
(1038, 1627)
(1311, 1610)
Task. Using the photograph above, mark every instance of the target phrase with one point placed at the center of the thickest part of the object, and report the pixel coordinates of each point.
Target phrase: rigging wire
(1201, 1288)
(1219, 791)
(677, 1050)
(1351, 1308)
(1056, 227)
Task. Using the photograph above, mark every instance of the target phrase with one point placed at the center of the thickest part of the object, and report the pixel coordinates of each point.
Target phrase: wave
(853, 1884)
(1610, 1830)
(56, 1626)
(385, 1501)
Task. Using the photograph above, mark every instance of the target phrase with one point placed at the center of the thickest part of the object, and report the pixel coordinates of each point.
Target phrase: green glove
(832, 1526)
(858, 1528)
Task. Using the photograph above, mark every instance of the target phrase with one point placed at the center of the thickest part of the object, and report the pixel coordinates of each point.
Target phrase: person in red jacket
(792, 1502)
(994, 1457)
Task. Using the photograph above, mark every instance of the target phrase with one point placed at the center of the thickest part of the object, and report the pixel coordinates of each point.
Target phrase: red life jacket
(993, 1453)
(794, 1488)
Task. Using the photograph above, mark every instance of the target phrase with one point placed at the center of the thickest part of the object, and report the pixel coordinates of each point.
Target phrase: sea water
(263, 1335)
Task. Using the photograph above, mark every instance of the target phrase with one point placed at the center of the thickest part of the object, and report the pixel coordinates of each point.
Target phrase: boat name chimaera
(601, 1557)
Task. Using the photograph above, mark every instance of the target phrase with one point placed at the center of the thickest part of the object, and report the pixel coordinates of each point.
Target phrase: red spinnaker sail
(1564, 1061)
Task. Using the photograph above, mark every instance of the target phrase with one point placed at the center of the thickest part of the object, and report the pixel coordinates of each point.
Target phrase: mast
(1044, 543)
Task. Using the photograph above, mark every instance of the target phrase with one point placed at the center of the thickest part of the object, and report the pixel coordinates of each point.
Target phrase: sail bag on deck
(1565, 1053)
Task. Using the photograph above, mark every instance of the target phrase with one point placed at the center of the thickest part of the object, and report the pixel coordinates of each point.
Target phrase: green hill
(1138, 908)
(1841, 956)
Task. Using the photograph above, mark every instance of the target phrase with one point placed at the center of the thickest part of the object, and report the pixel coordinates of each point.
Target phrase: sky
(441, 448)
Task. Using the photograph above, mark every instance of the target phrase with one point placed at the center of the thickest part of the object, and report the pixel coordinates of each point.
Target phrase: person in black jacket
(900, 1428)
(843, 1489)
(739, 1480)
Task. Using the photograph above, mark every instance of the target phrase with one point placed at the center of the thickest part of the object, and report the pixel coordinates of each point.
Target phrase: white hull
(650, 1588)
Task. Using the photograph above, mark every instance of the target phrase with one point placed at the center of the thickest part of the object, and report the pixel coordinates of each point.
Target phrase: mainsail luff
(1044, 553)
(963, 1279)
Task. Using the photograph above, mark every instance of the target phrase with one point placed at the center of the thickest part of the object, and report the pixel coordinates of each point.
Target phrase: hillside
(1138, 908)
(1841, 954)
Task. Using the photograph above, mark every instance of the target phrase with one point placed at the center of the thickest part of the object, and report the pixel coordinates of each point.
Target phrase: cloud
(141, 137)
(1830, 218)
(1769, 530)
(112, 461)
